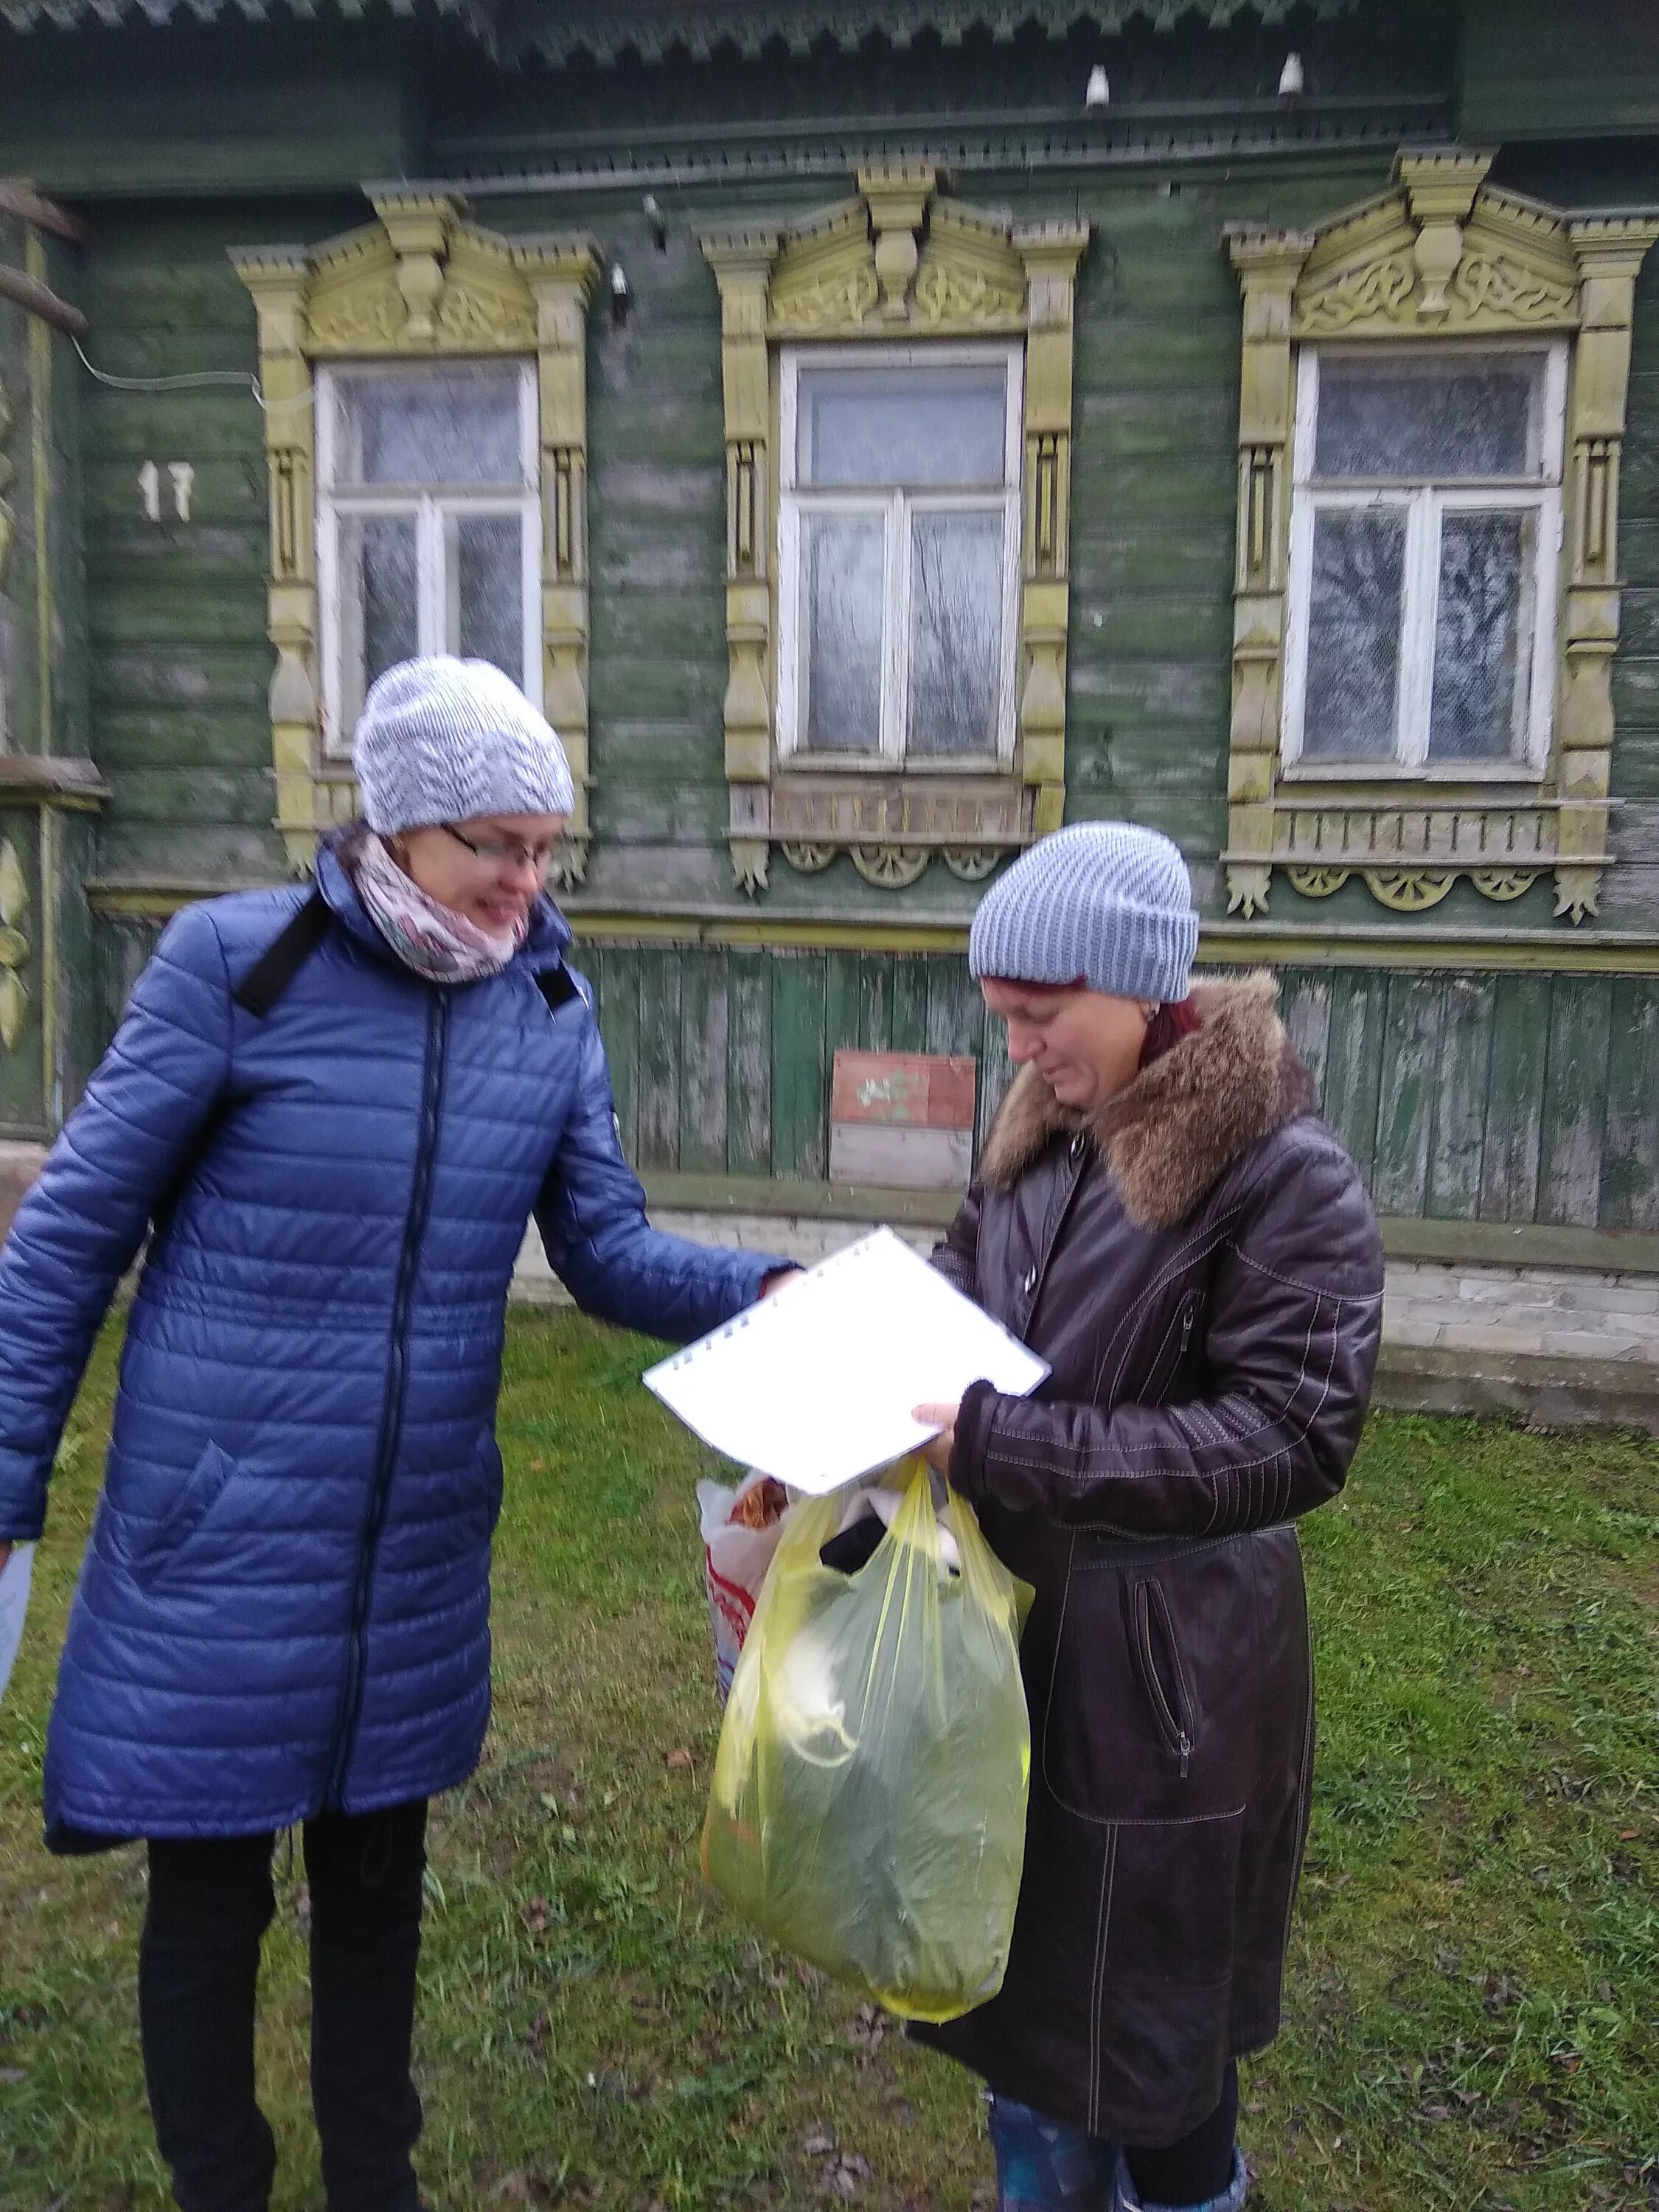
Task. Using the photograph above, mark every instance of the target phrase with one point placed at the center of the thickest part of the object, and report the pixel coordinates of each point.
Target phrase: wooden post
(742, 262)
(1268, 262)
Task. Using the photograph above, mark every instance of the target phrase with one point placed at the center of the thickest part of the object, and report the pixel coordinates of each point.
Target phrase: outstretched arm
(591, 1217)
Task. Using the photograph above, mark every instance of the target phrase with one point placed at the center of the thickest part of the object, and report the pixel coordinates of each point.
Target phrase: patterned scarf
(433, 940)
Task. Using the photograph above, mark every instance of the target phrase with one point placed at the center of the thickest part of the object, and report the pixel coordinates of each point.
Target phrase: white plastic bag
(735, 1562)
(15, 1578)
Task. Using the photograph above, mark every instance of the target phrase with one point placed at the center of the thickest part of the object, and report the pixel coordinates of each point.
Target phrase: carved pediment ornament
(899, 259)
(420, 282)
(1443, 254)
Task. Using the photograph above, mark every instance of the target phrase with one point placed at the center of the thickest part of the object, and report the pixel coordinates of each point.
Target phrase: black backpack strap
(557, 986)
(283, 957)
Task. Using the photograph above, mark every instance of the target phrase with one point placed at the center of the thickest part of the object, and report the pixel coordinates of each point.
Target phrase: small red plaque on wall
(904, 1119)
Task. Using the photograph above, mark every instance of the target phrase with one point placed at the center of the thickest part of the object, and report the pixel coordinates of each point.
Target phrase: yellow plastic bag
(868, 1807)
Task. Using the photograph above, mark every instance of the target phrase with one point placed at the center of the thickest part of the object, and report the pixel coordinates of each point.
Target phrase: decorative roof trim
(118, 14)
(653, 29)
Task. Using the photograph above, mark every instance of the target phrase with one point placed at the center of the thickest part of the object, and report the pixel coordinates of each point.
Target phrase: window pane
(843, 561)
(903, 426)
(484, 558)
(453, 425)
(1478, 417)
(1483, 635)
(956, 633)
(1353, 633)
(379, 608)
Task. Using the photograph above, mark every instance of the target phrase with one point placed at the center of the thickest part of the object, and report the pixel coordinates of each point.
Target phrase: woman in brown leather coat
(1160, 1216)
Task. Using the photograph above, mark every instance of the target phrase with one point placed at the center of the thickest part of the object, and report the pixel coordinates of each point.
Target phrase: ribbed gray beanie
(1107, 900)
(446, 740)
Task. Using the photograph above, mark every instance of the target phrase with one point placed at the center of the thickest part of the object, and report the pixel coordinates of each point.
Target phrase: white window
(1424, 534)
(427, 521)
(899, 555)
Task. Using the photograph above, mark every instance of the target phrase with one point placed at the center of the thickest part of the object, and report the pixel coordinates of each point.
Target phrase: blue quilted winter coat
(284, 1604)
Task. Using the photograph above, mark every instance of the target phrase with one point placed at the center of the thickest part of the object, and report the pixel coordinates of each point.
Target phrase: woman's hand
(6, 1554)
(777, 1278)
(938, 1449)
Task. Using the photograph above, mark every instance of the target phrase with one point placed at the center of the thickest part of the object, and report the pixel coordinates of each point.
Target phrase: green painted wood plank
(200, 794)
(1630, 1155)
(1304, 1007)
(956, 1011)
(1514, 1092)
(1574, 1099)
(208, 425)
(875, 1001)
(705, 1048)
(142, 736)
(182, 615)
(800, 994)
(197, 675)
(619, 1023)
(996, 1073)
(843, 1005)
(660, 1059)
(1461, 1100)
(749, 1063)
(907, 1023)
(1406, 1097)
(1354, 1066)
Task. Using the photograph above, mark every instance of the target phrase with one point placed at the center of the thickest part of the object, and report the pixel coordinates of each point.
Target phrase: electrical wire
(195, 381)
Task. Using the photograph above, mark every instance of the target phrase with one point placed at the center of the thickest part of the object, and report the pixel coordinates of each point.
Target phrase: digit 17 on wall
(183, 477)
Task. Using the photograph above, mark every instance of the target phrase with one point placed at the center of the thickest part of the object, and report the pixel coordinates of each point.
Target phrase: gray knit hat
(446, 740)
(1107, 901)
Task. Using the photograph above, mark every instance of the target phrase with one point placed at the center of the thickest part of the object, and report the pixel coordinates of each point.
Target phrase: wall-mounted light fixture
(1292, 82)
(622, 295)
(1099, 91)
(658, 221)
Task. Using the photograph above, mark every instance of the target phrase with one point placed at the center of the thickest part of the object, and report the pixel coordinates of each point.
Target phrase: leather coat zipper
(1170, 1711)
(391, 1414)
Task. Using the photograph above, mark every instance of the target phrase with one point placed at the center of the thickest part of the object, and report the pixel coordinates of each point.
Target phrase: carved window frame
(903, 261)
(795, 499)
(419, 284)
(1442, 257)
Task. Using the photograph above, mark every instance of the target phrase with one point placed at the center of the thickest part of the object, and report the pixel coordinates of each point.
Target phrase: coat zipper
(1164, 1369)
(392, 1415)
(1174, 1720)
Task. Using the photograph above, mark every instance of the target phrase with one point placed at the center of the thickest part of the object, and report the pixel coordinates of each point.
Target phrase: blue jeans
(1043, 2166)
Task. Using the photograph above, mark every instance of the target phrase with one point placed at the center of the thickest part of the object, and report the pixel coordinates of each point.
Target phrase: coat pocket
(1152, 1707)
(160, 1547)
(1173, 1349)
(1157, 1658)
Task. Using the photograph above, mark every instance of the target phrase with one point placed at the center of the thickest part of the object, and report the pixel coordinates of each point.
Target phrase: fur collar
(1176, 1130)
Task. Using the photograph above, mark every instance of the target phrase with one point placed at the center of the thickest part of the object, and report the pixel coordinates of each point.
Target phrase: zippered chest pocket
(1172, 1350)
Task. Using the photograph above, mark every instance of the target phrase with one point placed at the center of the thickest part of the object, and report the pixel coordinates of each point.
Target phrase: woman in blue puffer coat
(334, 1112)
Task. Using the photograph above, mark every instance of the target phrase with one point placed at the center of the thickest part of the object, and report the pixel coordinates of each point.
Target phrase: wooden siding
(1507, 1098)
(177, 659)
(1510, 1098)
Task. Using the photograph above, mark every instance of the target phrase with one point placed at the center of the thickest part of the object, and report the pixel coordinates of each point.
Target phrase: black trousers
(211, 1902)
(1199, 2167)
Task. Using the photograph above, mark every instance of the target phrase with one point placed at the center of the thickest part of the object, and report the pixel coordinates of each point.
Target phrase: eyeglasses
(503, 853)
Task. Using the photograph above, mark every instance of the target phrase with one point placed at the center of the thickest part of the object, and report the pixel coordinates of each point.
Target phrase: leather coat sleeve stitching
(1109, 1451)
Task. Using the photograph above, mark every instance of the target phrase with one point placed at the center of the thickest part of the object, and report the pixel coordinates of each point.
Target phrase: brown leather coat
(1200, 1264)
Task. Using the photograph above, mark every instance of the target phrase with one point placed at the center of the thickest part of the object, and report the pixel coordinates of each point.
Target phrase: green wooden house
(878, 433)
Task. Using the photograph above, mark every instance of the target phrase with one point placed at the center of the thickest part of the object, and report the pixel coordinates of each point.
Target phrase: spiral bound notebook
(815, 1384)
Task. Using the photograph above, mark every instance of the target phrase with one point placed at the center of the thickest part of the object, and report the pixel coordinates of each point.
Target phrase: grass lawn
(1474, 1981)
